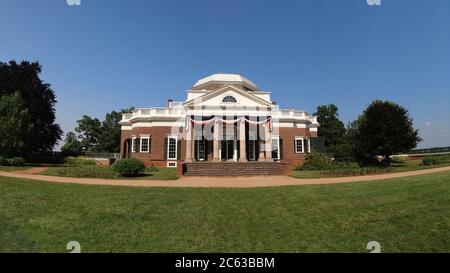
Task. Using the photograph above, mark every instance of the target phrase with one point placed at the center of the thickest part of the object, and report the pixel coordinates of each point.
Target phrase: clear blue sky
(111, 54)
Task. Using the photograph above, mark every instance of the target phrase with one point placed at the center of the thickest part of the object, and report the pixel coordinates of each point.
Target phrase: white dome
(223, 78)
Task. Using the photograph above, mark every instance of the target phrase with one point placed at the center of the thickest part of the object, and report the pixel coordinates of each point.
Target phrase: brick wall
(158, 134)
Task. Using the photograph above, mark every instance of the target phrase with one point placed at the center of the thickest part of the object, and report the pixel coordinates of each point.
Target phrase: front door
(251, 150)
(200, 150)
(227, 147)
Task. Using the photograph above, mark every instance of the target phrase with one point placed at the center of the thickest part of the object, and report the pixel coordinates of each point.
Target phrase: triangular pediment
(216, 98)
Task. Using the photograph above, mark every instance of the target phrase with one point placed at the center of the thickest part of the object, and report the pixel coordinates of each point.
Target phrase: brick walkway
(220, 182)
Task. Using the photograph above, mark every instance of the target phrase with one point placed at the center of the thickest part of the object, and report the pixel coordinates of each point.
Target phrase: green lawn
(404, 215)
(410, 165)
(13, 168)
(94, 171)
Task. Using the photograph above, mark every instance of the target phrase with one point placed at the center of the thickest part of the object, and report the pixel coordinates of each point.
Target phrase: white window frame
(148, 145)
(133, 146)
(168, 147)
(303, 145)
(277, 138)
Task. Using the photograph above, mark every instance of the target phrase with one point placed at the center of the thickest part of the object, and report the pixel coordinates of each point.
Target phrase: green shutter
(150, 145)
(165, 148)
(281, 149)
(179, 150)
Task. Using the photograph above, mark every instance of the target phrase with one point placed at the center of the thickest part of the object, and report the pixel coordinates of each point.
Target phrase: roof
(224, 78)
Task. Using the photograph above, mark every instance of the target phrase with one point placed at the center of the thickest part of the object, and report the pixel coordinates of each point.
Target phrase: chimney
(169, 103)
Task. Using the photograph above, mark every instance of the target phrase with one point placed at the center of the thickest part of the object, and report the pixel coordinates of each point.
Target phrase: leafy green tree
(331, 128)
(37, 98)
(102, 136)
(89, 130)
(71, 143)
(385, 128)
(348, 148)
(15, 126)
(111, 129)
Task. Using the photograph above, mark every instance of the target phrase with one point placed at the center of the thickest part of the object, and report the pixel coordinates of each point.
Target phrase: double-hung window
(145, 145)
(299, 146)
(302, 145)
(172, 148)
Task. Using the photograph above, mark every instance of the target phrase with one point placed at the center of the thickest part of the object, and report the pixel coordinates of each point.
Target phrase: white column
(216, 156)
(242, 142)
(189, 134)
(268, 138)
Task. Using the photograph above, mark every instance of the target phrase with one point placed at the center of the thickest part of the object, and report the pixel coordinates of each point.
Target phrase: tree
(15, 126)
(111, 129)
(348, 148)
(331, 128)
(38, 99)
(102, 136)
(89, 130)
(385, 128)
(71, 143)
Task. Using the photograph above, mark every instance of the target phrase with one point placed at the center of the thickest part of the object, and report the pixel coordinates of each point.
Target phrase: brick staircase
(233, 168)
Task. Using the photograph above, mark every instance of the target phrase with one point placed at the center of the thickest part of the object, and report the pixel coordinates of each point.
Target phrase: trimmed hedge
(129, 167)
(317, 161)
(398, 159)
(79, 161)
(15, 161)
(435, 160)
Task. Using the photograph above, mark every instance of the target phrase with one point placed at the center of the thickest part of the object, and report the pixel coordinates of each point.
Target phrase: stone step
(233, 169)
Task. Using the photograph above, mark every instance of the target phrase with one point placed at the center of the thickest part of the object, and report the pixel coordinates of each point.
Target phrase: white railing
(177, 112)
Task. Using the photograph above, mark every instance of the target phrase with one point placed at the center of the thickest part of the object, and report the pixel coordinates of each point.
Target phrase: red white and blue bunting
(268, 121)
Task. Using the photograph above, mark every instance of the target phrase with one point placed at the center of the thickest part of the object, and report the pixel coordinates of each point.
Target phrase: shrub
(87, 171)
(129, 167)
(15, 161)
(435, 160)
(317, 161)
(347, 165)
(398, 159)
(79, 161)
(152, 169)
(353, 172)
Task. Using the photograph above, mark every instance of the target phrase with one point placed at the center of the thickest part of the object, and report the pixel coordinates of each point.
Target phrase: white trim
(171, 164)
(168, 147)
(148, 145)
(133, 146)
(303, 145)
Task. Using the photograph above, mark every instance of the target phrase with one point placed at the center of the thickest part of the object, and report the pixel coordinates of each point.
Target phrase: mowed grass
(404, 215)
(94, 171)
(410, 165)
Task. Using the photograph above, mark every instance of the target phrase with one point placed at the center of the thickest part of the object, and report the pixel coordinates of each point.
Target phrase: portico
(235, 139)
